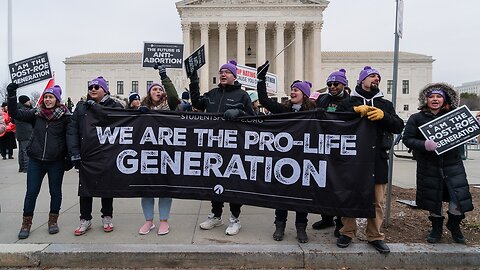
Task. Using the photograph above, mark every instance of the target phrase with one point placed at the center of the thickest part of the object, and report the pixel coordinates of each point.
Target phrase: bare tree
(35, 96)
(3, 92)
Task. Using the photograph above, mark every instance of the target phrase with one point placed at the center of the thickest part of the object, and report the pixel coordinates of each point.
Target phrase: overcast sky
(449, 31)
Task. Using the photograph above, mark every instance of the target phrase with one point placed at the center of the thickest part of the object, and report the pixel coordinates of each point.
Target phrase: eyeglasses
(329, 84)
(224, 72)
(90, 88)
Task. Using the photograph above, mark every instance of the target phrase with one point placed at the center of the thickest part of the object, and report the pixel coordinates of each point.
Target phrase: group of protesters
(55, 145)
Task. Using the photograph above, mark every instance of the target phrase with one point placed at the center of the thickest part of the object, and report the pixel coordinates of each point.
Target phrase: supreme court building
(251, 32)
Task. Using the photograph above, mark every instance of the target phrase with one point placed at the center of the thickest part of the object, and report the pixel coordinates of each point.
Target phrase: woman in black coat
(439, 177)
(47, 150)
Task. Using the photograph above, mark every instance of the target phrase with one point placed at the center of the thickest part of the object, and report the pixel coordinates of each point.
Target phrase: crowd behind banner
(314, 153)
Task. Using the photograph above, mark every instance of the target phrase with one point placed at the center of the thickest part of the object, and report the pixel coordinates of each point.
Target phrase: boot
(25, 230)
(52, 223)
(453, 224)
(279, 230)
(338, 226)
(301, 232)
(435, 234)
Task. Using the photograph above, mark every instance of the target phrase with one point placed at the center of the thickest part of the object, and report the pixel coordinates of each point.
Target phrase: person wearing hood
(23, 133)
(299, 101)
(255, 103)
(159, 97)
(98, 95)
(336, 83)
(439, 177)
(228, 98)
(367, 100)
(47, 151)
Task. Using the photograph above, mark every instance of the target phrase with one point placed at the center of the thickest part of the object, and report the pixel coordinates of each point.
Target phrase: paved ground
(188, 246)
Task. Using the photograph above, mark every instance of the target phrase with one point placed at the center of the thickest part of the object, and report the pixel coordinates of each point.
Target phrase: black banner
(30, 70)
(170, 55)
(452, 129)
(195, 61)
(313, 161)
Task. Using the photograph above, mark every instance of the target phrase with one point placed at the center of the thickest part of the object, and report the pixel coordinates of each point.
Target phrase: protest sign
(313, 161)
(168, 54)
(452, 129)
(30, 70)
(247, 76)
(195, 61)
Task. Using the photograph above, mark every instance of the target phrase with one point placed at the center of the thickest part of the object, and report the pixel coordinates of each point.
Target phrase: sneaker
(83, 227)
(233, 226)
(380, 246)
(145, 229)
(163, 228)
(343, 241)
(211, 222)
(107, 224)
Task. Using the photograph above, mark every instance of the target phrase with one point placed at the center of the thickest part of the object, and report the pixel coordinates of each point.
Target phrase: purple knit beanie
(100, 81)
(154, 84)
(56, 90)
(367, 71)
(231, 66)
(303, 86)
(338, 76)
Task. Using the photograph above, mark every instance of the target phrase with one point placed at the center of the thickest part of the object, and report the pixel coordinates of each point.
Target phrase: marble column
(241, 26)
(204, 76)
(317, 55)
(186, 27)
(299, 50)
(222, 42)
(280, 61)
(261, 43)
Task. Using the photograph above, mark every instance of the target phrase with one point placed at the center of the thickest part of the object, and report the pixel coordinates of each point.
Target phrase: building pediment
(208, 3)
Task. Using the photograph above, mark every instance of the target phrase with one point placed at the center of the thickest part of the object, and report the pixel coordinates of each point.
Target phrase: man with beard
(367, 100)
(336, 83)
(24, 131)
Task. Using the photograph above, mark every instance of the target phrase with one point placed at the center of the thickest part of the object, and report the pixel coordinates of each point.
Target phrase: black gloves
(162, 70)
(194, 77)
(12, 89)
(232, 114)
(143, 109)
(89, 103)
(76, 160)
(262, 71)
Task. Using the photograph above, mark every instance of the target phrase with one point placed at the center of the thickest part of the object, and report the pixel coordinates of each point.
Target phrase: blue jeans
(35, 174)
(164, 206)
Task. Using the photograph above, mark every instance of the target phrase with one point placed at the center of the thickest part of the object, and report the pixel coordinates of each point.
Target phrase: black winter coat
(391, 123)
(329, 102)
(23, 129)
(220, 99)
(74, 135)
(436, 174)
(48, 141)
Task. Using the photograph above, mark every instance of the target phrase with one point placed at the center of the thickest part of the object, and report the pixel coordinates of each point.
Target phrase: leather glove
(143, 109)
(194, 77)
(262, 71)
(162, 70)
(375, 114)
(430, 145)
(89, 103)
(12, 89)
(76, 160)
(232, 114)
(362, 109)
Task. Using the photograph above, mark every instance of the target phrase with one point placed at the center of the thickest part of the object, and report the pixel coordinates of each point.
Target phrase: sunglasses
(329, 84)
(90, 88)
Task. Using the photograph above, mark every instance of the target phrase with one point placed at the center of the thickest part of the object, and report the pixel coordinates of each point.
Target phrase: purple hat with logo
(56, 90)
(100, 81)
(154, 84)
(436, 91)
(338, 76)
(367, 71)
(303, 86)
(231, 66)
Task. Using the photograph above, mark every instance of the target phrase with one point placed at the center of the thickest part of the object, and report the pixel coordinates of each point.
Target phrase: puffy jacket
(220, 99)
(436, 172)
(48, 140)
(391, 123)
(76, 127)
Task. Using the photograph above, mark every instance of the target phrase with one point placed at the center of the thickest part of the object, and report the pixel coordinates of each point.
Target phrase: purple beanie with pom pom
(231, 66)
